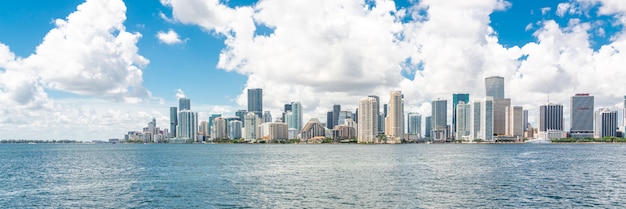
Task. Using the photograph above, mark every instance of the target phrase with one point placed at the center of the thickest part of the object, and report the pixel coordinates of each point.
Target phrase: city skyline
(137, 58)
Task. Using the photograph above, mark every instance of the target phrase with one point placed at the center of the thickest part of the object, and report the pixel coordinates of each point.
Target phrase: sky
(95, 69)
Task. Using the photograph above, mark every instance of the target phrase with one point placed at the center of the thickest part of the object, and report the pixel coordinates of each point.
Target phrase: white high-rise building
(463, 121)
(219, 127)
(475, 120)
(515, 121)
(486, 119)
(368, 121)
(234, 129)
(187, 125)
(252, 122)
(394, 127)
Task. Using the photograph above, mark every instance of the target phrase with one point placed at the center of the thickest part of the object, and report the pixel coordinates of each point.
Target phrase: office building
(267, 117)
(494, 87)
(184, 104)
(336, 110)
(428, 126)
(368, 121)
(173, 121)
(329, 120)
(234, 129)
(211, 121)
(294, 118)
(255, 101)
(526, 125)
(439, 130)
(343, 116)
(241, 114)
(395, 118)
(486, 119)
(463, 123)
(203, 129)
(581, 116)
(551, 121)
(456, 98)
(187, 125)
(499, 115)
(606, 123)
(414, 125)
(475, 120)
(515, 122)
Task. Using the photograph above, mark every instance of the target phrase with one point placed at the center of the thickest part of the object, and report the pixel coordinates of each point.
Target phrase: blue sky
(522, 29)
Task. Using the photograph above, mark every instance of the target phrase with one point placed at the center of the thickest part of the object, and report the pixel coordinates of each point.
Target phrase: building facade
(494, 87)
(606, 123)
(581, 116)
(551, 121)
(368, 121)
(395, 118)
(255, 101)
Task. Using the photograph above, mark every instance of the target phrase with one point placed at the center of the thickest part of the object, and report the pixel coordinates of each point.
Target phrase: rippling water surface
(313, 176)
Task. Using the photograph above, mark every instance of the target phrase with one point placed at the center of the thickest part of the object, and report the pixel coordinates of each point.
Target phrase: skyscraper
(241, 114)
(368, 121)
(336, 110)
(486, 119)
(494, 87)
(255, 101)
(173, 121)
(329, 120)
(514, 121)
(380, 124)
(184, 104)
(606, 123)
(439, 120)
(267, 117)
(211, 119)
(296, 122)
(476, 120)
(551, 121)
(428, 126)
(463, 123)
(220, 129)
(499, 115)
(414, 124)
(456, 98)
(395, 118)
(234, 129)
(187, 125)
(581, 116)
(252, 122)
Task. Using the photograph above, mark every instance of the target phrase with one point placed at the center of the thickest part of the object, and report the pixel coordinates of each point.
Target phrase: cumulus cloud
(325, 52)
(545, 10)
(170, 37)
(87, 53)
(180, 94)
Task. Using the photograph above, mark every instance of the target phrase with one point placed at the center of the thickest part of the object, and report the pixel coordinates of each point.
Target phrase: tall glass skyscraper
(551, 117)
(336, 110)
(494, 87)
(456, 98)
(255, 101)
(414, 124)
(184, 104)
(173, 121)
(581, 116)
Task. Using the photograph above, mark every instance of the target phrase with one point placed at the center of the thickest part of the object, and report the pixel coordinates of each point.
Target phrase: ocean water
(312, 176)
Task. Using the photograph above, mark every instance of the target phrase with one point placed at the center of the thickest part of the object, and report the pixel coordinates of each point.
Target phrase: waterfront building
(220, 128)
(241, 114)
(606, 123)
(188, 124)
(294, 120)
(184, 104)
(494, 87)
(252, 122)
(368, 121)
(343, 116)
(255, 101)
(395, 118)
(515, 122)
(203, 129)
(234, 129)
(414, 121)
(274, 131)
(211, 119)
(343, 132)
(329, 120)
(486, 119)
(463, 123)
(456, 98)
(551, 121)
(526, 125)
(173, 121)
(439, 129)
(313, 128)
(428, 126)
(499, 115)
(581, 116)
(377, 108)
(475, 120)
(336, 111)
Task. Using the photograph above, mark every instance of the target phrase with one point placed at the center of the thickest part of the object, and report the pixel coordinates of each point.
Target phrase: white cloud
(325, 52)
(545, 10)
(170, 37)
(87, 53)
(180, 94)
